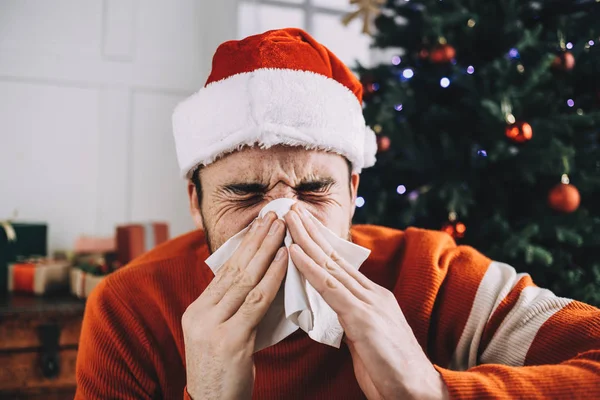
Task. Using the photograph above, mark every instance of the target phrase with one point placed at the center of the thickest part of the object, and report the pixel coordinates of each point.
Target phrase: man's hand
(219, 328)
(388, 361)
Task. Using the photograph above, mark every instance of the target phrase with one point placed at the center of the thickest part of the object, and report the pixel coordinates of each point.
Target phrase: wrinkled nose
(281, 191)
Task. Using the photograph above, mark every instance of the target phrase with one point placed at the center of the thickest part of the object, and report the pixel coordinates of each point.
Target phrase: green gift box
(20, 240)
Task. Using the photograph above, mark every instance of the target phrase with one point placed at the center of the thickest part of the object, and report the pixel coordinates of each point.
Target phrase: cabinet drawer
(24, 334)
(19, 333)
(21, 373)
(58, 394)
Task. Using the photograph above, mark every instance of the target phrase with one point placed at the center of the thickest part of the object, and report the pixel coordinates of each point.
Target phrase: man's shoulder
(413, 247)
(185, 251)
(376, 237)
(173, 271)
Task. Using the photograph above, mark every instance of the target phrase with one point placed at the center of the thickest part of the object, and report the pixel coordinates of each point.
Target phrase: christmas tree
(488, 127)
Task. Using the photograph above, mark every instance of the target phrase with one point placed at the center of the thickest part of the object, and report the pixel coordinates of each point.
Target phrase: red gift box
(136, 239)
(38, 276)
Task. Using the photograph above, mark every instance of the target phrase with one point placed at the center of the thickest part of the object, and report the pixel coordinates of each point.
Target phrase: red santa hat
(279, 87)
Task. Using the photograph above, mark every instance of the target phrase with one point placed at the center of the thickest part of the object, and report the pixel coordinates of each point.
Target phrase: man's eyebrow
(246, 187)
(309, 185)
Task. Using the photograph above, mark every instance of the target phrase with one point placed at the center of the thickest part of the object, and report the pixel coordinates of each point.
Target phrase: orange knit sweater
(469, 314)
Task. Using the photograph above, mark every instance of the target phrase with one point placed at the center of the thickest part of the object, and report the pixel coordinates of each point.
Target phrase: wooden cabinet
(38, 346)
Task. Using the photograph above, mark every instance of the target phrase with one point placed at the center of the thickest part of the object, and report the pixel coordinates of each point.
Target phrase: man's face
(236, 187)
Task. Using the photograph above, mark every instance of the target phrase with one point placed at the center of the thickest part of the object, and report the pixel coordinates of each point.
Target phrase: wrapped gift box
(38, 277)
(90, 270)
(95, 254)
(20, 240)
(95, 245)
(136, 239)
(82, 282)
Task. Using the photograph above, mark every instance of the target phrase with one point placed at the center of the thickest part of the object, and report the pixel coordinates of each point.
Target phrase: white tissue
(297, 304)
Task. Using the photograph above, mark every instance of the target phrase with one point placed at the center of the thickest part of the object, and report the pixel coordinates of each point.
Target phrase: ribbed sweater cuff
(461, 384)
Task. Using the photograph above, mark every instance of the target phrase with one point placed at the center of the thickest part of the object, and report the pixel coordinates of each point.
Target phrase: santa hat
(279, 87)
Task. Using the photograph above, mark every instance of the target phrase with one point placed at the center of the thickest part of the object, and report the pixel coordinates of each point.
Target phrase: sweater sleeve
(495, 334)
(114, 357)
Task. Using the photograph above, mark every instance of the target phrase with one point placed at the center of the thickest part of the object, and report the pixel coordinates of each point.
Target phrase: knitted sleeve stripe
(517, 339)
(570, 332)
(516, 333)
(505, 317)
(503, 308)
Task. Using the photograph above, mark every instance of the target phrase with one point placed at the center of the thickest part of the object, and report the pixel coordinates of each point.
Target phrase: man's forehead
(293, 163)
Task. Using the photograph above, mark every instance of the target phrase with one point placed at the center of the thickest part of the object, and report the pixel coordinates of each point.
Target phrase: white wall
(86, 94)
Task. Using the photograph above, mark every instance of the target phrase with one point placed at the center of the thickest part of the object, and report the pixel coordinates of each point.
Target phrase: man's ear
(194, 205)
(354, 181)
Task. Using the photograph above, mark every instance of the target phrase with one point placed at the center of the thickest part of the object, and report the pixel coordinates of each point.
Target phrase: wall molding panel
(86, 95)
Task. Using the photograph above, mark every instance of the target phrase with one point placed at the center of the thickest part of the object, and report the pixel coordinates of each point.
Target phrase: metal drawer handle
(50, 360)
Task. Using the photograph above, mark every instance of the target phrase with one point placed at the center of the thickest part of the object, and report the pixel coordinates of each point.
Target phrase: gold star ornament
(367, 9)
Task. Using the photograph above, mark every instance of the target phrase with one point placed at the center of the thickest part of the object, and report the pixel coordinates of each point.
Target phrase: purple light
(401, 189)
(482, 153)
(360, 202)
(570, 103)
(398, 107)
(454, 62)
(591, 42)
(513, 53)
(408, 73)
(569, 45)
(375, 87)
(444, 82)
(470, 69)
(396, 60)
(414, 195)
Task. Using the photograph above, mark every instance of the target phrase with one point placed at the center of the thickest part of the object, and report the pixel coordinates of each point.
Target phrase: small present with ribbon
(96, 255)
(38, 276)
(97, 264)
(135, 239)
(90, 269)
(19, 239)
(82, 282)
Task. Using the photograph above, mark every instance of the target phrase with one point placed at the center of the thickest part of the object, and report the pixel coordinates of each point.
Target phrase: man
(280, 117)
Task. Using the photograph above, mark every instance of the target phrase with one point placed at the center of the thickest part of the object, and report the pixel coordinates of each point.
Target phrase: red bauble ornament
(565, 61)
(519, 132)
(383, 143)
(442, 53)
(564, 198)
(455, 229)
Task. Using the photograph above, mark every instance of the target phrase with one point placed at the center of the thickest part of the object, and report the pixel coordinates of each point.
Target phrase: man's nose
(281, 191)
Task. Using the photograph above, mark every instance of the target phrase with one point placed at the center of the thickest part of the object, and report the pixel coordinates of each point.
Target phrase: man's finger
(225, 277)
(249, 278)
(258, 301)
(338, 296)
(317, 236)
(318, 255)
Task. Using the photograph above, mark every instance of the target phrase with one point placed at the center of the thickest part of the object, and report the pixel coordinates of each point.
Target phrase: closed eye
(321, 186)
(246, 189)
(256, 191)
